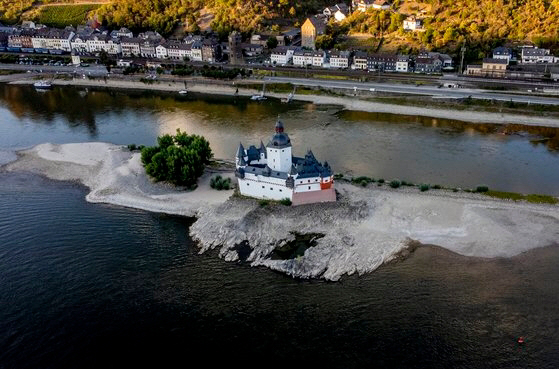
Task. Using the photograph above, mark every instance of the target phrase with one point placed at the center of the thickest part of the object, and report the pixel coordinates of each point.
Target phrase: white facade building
(161, 51)
(403, 63)
(281, 55)
(79, 43)
(272, 172)
(412, 24)
(532, 55)
(339, 59)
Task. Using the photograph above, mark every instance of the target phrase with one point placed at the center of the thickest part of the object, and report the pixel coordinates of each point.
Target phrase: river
(92, 285)
(417, 149)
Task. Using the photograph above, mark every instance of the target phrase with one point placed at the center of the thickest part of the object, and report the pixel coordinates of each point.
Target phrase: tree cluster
(178, 159)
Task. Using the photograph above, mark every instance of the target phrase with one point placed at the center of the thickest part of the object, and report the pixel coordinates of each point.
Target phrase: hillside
(448, 24)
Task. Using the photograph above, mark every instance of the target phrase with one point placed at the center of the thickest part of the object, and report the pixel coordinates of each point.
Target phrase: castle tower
(278, 150)
(235, 49)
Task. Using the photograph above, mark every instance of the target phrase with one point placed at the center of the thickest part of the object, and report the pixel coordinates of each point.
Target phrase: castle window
(280, 190)
(271, 188)
(309, 187)
(309, 181)
(262, 186)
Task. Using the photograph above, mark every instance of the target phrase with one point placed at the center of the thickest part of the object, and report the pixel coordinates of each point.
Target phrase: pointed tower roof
(262, 147)
(280, 139)
(240, 151)
(242, 161)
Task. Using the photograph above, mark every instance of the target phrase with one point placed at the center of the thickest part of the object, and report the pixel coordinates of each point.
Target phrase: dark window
(262, 186)
(309, 187)
(271, 188)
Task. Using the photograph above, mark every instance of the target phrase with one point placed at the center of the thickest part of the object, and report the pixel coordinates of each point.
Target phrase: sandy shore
(350, 103)
(364, 229)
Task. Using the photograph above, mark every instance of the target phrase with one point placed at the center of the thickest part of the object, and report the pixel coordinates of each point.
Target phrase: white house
(272, 172)
(318, 58)
(53, 38)
(412, 23)
(196, 51)
(339, 59)
(79, 43)
(100, 41)
(282, 55)
(532, 55)
(403, 63)
(302, 58)
(161, 51)
(359, 60)
(179, 50)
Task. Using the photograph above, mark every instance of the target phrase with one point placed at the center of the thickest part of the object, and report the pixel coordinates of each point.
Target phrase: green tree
(178, 159)
(272, 42)
(324, 42)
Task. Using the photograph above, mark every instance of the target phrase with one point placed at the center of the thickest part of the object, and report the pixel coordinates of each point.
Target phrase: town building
(502, 52)
(381, 4)
(403, 64)
(554, 74)
(282, 55)
(272, 172)
(360, 60)
(536, 55)
(363, 5)
(428, 65)
(491, 67)
(130, 46)
(302, 58)
(340, 59)
(311, 29)
(122, 32)
(412, 23)
(251, 50)
(196, 51)
(211, 51)
(52, 39)
(292, 37)
(382, 62)
(339, 12)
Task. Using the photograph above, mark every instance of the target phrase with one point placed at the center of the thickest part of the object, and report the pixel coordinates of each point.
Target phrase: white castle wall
(264, 187)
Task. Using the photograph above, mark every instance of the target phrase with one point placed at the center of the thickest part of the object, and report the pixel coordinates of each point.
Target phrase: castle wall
(264, 187)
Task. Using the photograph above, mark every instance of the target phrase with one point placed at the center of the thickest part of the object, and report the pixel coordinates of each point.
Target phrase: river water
(99, 286)
(416, 149)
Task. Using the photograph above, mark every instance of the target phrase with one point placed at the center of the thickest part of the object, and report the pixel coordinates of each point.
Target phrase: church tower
(278, 150)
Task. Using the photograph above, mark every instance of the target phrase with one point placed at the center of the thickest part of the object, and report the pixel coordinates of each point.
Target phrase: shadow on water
(537, 135)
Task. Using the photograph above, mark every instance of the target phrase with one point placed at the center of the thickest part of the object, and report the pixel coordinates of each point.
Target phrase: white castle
(272, 172)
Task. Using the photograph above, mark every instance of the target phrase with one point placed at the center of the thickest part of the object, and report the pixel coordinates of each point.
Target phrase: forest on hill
(241, 15)
(449, 24)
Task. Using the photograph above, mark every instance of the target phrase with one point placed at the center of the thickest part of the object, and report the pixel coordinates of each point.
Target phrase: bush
(286, 202)
(178, 159)
(395, 183)
(482, 189)
(219, 183)
(381, 180)
(423, 187)
(338, 175)
(132, 147)
(437, 187)
(363, 181)
(263, 203)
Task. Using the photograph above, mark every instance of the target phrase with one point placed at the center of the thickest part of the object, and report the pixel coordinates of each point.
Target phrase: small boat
(260, 96)
(42, 85)
(183, 92)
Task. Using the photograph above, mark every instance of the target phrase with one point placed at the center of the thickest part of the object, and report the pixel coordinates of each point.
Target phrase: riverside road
(438, 92)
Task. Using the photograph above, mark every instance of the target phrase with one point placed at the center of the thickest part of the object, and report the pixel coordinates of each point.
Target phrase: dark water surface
(418, 149)
(97, 286)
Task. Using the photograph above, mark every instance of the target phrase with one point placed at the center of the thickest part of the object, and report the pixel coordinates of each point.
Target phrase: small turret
(240, 151)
